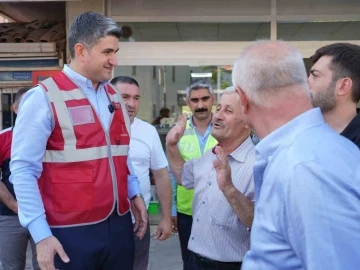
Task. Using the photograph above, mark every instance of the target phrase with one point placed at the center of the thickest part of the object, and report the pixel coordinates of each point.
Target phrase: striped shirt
(216, 232)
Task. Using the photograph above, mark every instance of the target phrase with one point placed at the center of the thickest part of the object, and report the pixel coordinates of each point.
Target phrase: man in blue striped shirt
(307, 177)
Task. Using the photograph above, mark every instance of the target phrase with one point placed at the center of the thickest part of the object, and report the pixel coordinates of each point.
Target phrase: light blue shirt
(32, 130)
(202, 139)
(307, 199)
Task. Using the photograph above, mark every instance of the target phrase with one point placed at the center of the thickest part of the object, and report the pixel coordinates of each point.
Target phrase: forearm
(7, 198)
(243, 207)
(163, 189)
(174, 193)
(176, 161)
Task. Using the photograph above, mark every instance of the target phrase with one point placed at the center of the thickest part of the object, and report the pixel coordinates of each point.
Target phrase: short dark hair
(124, 79)
(345, 63)
(88, 28)
(19, 94)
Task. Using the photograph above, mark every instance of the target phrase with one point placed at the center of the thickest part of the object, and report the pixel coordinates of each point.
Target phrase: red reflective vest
(84, 167)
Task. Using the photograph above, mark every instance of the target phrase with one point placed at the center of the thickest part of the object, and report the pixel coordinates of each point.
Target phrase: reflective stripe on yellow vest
(189, 148)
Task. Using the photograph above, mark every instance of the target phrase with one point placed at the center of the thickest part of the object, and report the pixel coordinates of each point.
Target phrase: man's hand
(223, 170)
(164, 229)
(14, 207)
(138, 208)
(174, 224)
(46, 250)
(174, 135)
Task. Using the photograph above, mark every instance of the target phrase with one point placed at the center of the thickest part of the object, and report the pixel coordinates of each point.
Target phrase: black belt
(205, 262)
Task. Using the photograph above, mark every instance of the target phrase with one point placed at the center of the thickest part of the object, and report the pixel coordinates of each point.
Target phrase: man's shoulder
(6, 131)
(143, 126)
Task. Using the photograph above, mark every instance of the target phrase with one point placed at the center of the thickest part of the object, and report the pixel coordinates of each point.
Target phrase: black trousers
(108, 245)
(198, 263)
(184, 229)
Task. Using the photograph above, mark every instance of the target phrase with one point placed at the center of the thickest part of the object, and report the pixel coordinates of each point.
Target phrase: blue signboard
(22, 75)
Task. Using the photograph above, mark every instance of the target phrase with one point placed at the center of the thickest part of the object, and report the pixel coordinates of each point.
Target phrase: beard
(326, 99)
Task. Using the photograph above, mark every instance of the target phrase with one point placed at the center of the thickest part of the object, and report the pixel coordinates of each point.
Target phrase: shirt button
(192, 238)
(209, 184)
(203, 202)
(197, 220)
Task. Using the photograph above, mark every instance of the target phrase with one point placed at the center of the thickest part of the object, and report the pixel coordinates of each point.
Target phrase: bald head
(266, 68)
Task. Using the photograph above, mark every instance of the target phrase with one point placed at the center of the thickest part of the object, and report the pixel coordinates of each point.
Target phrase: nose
(308, 81)
(113, 60)
(130, 102)
(218, 115)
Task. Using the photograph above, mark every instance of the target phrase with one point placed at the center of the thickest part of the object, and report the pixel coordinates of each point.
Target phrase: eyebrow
(312, 71)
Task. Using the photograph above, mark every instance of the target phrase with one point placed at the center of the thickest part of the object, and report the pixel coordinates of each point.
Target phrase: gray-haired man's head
(200, 98)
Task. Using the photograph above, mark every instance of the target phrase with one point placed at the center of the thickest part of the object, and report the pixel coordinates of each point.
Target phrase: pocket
(73, 189)
(221, 212)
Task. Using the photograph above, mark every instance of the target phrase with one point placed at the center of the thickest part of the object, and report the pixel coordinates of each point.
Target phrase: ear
(80, 51)
(14, 108)
(243, 99)
(187, 101)
(344, 86)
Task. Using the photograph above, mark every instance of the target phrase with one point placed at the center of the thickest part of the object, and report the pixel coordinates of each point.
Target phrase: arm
(174, 193)
(7, 198)
(33, 121)
(137, 203)
(163, 189)
(176, 162)
(172, 152)
(133, 181)
(243, 207)
(322, 207)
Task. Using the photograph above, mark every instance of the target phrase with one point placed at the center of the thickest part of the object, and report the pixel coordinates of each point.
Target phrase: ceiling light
(201, 75)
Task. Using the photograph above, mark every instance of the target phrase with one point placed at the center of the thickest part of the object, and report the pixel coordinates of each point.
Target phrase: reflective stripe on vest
(189, 148)
(84, 168)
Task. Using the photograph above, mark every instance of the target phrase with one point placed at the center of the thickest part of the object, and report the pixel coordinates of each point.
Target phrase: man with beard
(146, 154)
(223, 182)
(334, 82)
(195, 141)
(306, 175)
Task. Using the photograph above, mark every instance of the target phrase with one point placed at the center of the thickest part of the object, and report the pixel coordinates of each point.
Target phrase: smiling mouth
(217, 125)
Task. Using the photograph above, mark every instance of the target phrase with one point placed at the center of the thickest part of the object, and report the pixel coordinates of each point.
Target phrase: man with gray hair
(195, 141)
(223, 183)
(306, 175)
(70, 174)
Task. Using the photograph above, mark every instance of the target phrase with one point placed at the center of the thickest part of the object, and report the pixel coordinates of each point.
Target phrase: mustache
(130, 108)
(201, 110)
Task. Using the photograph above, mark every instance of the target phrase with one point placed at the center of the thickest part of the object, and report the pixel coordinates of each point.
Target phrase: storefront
(170, 40)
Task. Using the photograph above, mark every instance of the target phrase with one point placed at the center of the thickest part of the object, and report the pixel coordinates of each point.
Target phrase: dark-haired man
(14, 237)
(71, 174)
(334, 82)
(146, 154)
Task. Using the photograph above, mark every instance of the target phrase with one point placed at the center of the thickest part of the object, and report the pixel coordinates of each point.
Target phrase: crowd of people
(75, 167)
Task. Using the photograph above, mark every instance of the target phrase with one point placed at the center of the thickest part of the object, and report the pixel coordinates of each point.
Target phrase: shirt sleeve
(158, 159)
(319, 216)
(30, 135)
(133, 181)
(187, 175)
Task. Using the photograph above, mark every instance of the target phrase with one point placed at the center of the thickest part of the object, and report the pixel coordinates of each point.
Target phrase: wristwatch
(139, 195)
